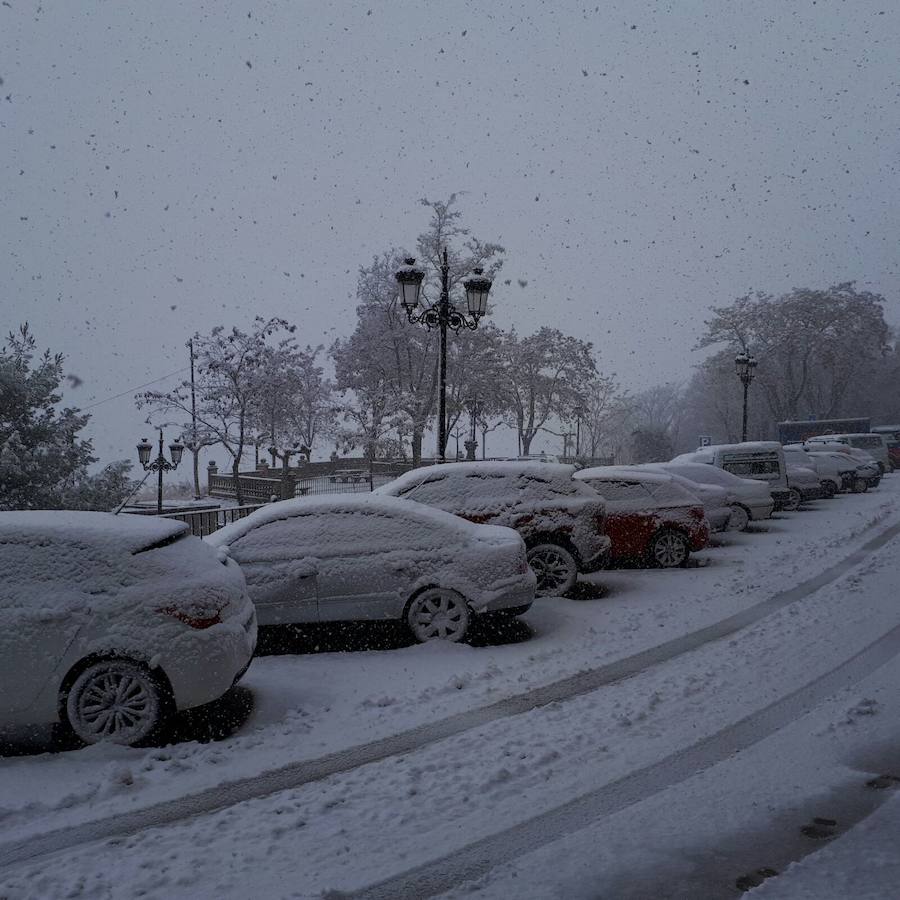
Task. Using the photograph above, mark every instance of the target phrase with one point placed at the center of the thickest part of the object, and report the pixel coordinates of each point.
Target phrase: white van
(759, 460)
(874, 444)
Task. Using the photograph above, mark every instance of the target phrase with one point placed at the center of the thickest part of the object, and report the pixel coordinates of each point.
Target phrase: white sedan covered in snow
(110, 623)
(361, 557)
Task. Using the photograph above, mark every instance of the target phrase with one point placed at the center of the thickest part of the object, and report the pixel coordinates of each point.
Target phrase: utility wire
(132, 390)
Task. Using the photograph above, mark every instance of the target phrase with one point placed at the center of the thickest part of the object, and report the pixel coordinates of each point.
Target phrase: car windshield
(392, 402)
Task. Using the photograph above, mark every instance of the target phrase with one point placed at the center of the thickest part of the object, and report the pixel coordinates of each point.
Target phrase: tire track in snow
(304, 772)
(480, 857)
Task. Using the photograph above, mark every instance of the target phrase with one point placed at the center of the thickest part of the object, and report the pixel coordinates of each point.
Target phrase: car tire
(668, 549)
(859, 486)
(438, 614)
(829, 488)
(116, 700)
(740, 518)
(555, 568)
(792, 504)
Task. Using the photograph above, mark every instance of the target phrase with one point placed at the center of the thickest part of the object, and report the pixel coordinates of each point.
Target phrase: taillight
(199, 620)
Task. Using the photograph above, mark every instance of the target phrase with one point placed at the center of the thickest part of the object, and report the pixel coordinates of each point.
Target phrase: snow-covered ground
(645, 742)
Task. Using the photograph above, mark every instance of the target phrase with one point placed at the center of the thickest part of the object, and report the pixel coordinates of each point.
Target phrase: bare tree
(544, 375)
(814, 346)
(232, 375)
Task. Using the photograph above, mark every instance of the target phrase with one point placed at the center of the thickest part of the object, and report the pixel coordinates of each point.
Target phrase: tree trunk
(235, 472)
(417, 445)
(526, 444)
(195, 453)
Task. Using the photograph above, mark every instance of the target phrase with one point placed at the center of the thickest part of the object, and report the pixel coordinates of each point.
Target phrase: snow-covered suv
(560, 519)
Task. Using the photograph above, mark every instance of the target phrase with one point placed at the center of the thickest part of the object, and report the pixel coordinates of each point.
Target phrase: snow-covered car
(365, 557)
(823, 464)
(850, 474)
(108, 624)
(866, 474)
(560, 520)
(760, 460)
(804, 484)
(716, 501)
(875, 445)
(750, 500)
(649, 517)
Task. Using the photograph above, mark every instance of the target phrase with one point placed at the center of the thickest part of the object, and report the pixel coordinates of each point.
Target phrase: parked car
(649, 517)
(804, 484)
(715, 500)
(866, 474)
(853, 477)
(760, 460)
(823, 464)
(892, 439)
(109, 624)
(369, 557)
(560, 520)
(750, 500)
(874, 444)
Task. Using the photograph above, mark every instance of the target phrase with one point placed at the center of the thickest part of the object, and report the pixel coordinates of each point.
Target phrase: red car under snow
(650, 518)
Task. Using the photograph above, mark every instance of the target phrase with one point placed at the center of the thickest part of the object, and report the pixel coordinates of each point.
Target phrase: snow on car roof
(623, 473)
(372, 502)
(551, 473)
(743, 446)
(124, 533)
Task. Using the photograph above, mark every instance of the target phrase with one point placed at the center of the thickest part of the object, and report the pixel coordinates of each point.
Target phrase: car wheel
(669, 549)
(438, 614)
(829, 488)
(555, 569)
(116, 700)
(794, 500)
(859, 486)
(740, 518)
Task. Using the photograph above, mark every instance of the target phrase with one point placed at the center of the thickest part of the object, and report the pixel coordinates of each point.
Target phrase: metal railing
(207, 521)
(340, 483)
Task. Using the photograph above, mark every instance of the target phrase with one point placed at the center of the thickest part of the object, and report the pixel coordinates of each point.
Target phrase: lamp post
(442, 315)
(160, 464)
(471, 443)
(579, 412)
(745, 366)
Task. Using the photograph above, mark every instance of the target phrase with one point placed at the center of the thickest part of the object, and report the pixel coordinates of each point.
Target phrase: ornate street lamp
(745, 366)
(442, 315)
(160, 464)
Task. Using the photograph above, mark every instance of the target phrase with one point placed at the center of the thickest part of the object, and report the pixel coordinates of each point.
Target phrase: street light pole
(160, 464)
(745, 366)
(443, 316)
(579, 412)
(471, 443)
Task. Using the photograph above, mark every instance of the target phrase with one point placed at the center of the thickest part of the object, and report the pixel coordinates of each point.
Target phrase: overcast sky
(169, 166)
